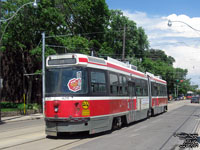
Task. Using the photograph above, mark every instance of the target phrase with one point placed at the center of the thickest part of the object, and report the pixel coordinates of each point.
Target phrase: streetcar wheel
(165, 109)
(148, 114)
(117, 123)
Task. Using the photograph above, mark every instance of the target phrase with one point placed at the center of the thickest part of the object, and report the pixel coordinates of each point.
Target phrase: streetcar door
(149, 92)
(131, 87)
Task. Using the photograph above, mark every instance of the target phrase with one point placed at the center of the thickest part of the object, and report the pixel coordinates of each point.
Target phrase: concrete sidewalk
(21, 118)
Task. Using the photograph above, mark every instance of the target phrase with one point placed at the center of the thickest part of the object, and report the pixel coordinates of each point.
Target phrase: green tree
(20, 39)
(89, 19)
(136, 39)
(83, 21)
(156, 54)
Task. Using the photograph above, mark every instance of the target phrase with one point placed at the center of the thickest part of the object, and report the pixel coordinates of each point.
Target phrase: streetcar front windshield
(66, 81)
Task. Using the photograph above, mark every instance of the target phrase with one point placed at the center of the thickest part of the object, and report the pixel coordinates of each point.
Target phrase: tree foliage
(21, 39)
(158, 63)
(135, 37)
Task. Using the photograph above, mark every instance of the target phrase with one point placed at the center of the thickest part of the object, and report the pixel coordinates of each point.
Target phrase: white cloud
(178, 41)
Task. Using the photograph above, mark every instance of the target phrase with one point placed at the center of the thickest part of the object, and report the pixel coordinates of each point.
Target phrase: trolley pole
(43, 71)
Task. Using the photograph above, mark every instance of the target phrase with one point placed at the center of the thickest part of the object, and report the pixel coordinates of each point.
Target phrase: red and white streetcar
(85, 93)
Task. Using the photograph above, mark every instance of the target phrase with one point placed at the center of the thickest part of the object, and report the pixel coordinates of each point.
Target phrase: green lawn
(8, 109)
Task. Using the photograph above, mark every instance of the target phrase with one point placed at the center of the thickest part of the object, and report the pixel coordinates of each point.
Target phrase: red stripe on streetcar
(112, 66)
(126, 70)
(96, 64)
(83, 60)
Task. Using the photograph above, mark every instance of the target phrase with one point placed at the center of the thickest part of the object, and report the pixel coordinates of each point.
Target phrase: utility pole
(43, 71)
(0, 64)
(124, 44)
(177, 90)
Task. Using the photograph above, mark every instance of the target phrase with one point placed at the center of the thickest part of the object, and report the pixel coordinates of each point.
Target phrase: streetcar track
(21, 134)
(23, 143)
(177, 129)
(66, 144)
(40, 139)
(22, 127)
(196, 129)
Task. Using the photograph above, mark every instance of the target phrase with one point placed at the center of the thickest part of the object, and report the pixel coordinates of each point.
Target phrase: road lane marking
(132, 135)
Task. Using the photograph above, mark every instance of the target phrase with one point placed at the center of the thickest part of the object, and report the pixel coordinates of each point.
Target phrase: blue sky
(178, 41)
(158, 7)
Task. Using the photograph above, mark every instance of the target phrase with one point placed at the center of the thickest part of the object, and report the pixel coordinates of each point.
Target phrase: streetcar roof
(95, 62)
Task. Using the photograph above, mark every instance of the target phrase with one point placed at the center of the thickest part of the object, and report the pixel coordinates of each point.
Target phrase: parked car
(181, 97)
(195, 99)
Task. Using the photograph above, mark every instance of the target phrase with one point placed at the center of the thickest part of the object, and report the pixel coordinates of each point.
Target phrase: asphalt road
(156, 133)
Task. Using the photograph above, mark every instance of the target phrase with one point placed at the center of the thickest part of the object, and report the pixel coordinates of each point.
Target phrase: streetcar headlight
(56, 109)
(56, 105)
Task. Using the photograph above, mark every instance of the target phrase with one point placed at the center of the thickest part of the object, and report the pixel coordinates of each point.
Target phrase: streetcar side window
(98, 82)
(138, 87)
(144, 88)
(120, 85)
(114, 84)
(159, 90)
(164, 90)
(123, 89)
(154, 89)
(131, 89)
(134, 87)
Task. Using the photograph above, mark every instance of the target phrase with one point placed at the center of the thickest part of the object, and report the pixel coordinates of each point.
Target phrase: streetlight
(170, 24)
(35, 5)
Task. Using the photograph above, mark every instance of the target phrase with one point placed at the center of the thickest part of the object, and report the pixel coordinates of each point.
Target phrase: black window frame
(138, 87)
(133, 88)
(117, 85)
(123, 86)
(91, 93)
(154, 89)
(144, 85)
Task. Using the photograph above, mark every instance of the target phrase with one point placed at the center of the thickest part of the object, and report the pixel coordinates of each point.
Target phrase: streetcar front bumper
(56, 125)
